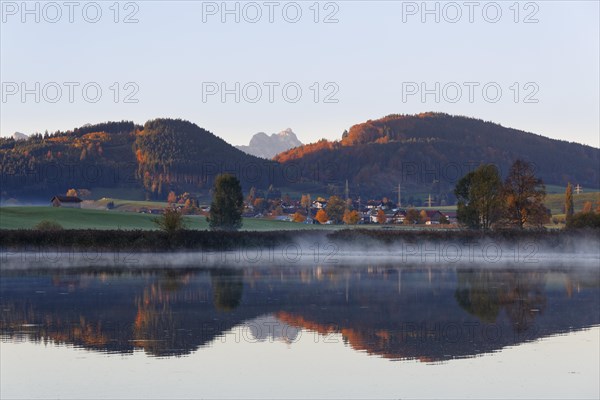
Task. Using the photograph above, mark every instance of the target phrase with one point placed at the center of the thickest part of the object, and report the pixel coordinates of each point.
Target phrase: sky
(239, 68)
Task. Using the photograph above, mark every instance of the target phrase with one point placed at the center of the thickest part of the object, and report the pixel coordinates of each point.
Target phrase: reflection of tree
(485, 293)
(227, 286)
(173, 281)
(154, 322)
(524, 298)
(478, 293)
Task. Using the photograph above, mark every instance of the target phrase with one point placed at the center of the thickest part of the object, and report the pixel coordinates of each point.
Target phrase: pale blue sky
(370, 55)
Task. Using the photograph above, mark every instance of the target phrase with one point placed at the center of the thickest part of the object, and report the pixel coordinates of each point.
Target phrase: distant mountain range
(425, 153)
(19, 136)
(265, 146)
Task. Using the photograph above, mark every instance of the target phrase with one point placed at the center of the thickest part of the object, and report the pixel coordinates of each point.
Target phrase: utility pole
(429, 201)
(399, 190)
(347, 191)
(578, 189)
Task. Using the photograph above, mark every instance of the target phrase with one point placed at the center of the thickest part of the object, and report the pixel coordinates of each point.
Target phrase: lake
(296, 331)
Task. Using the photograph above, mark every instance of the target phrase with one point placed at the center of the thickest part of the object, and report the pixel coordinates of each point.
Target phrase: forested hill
(91, 156)
(177, 153)
(426, 153)
(431, 150)
(162, 155)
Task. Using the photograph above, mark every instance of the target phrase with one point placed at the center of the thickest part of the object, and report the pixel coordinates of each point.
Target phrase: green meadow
(73, 218)
(556, 202)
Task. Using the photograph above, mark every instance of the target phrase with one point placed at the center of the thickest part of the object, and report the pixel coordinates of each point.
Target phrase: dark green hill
(429, 152)
(177, 153)
(163, 155)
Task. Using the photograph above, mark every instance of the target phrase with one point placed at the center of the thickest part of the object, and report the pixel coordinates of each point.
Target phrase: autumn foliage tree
(172, 197)
(569, 208)
(72, 192)
(412, 217)
(305, 201)
(524, 194)
(322, 216)
(335, 209)
(297, 217)
(351, 217)
(381, 219)
(423, 215)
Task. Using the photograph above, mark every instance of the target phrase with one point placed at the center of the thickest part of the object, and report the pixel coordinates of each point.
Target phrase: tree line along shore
(191, 240)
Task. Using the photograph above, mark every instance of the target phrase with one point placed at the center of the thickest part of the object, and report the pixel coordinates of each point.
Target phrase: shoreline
(342, 241)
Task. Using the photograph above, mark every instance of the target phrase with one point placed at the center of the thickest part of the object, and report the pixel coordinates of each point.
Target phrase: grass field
(72, 218)
(28, 217)
(556, 202)
(130, 205)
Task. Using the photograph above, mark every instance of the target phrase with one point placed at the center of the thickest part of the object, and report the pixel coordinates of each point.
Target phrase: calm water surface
(373, 331)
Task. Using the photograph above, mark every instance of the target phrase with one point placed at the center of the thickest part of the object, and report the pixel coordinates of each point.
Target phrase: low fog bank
(323, 249)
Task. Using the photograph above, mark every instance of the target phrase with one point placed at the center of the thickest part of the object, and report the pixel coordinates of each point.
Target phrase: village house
(399, 216)
(66, 201)
(319, 204)
(389, 216)
(451, 216)
(433, 217)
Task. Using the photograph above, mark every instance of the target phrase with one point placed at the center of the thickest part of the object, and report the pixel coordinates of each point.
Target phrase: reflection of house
(66, 201)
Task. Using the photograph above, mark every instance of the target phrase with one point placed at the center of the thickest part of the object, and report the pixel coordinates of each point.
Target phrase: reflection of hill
(430, 315)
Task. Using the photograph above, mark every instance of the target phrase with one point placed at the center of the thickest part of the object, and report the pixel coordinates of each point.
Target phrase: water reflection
(426, 314)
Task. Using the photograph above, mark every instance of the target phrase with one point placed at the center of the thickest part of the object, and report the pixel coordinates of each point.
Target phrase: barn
(66, 201)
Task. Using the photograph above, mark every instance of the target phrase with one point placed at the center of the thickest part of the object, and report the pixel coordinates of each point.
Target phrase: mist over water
(319, 250)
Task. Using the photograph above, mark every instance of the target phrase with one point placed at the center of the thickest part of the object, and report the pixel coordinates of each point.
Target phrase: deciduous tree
(524, 194)
(351, 217)
(322, 216)
(569, 209)
(335, 209)
(172, 197)
(227, 204)
(412, 216)
(423, 215)
(170, 221)
(305, 201)
(381, 219)
(479, 195)
(297, 217)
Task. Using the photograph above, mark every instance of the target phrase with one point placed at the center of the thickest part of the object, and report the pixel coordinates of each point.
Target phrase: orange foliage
(381, 219)
(301, 151)
(140, 156)
(322, 216)
(297, 217)
(351, 217)
(102, 136)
